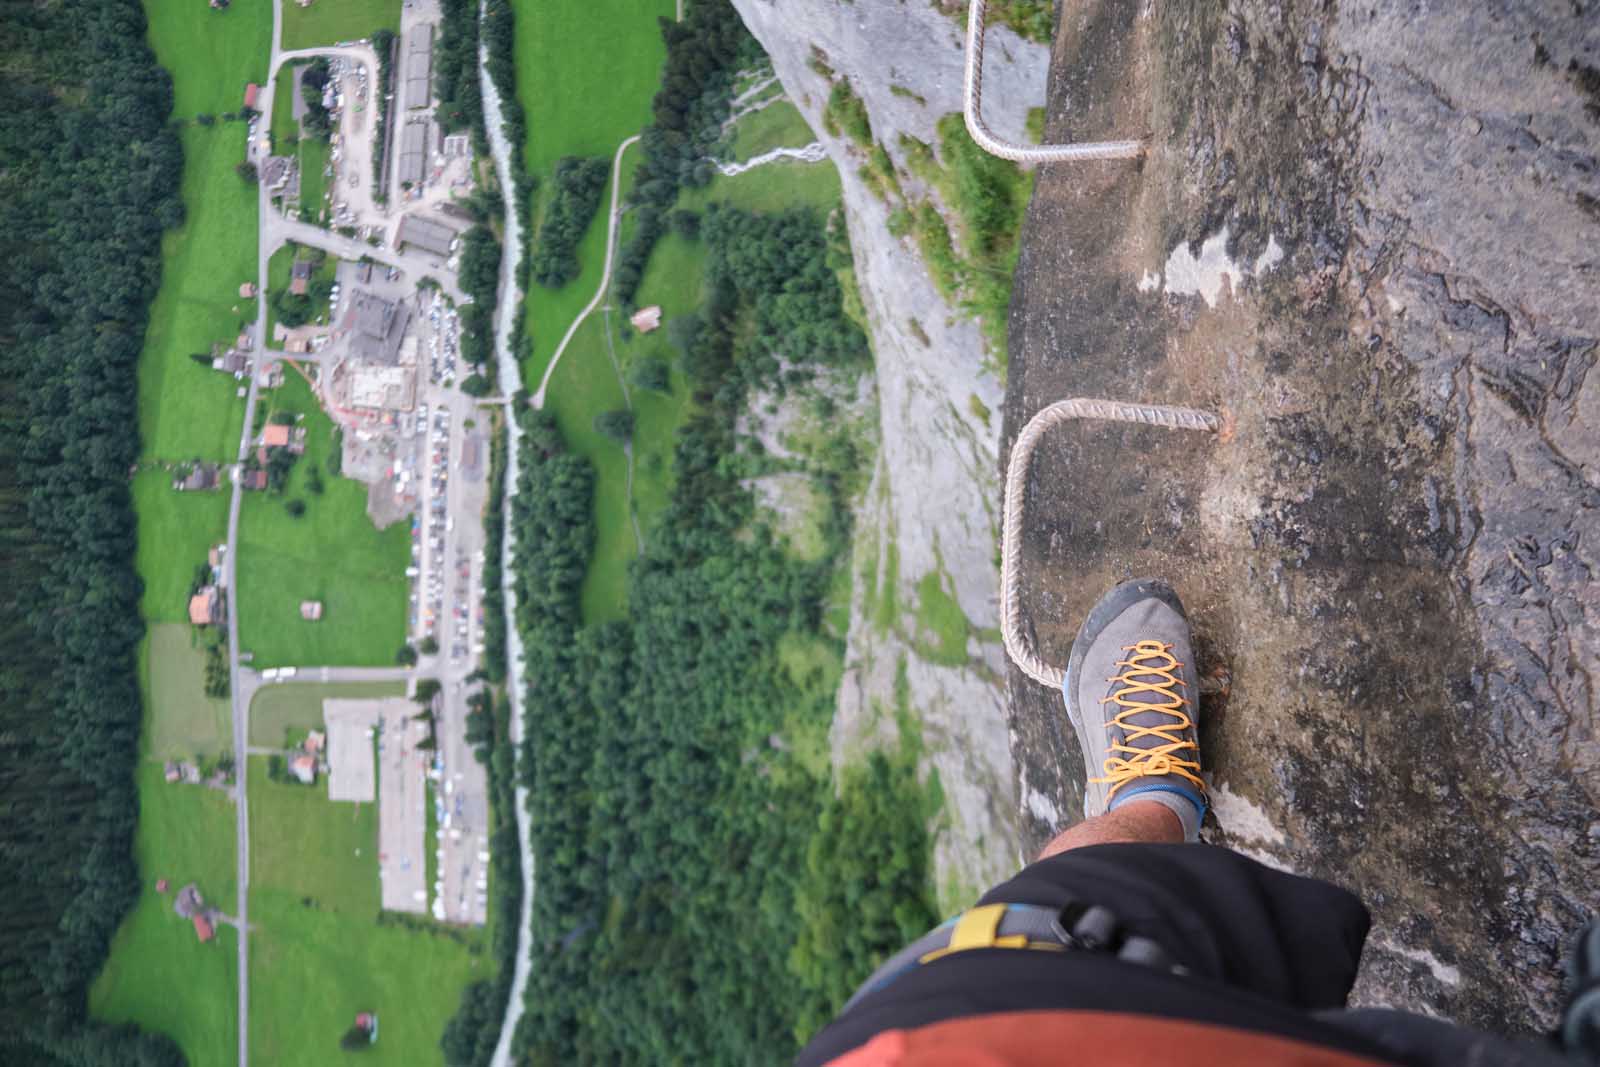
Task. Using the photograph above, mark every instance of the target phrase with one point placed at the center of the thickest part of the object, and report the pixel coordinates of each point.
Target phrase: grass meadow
(314, 154)
(183, 721)
(285, 127)
(331, 21)
(158, 973)
(212, 54)
(578, 107)
(188, 411)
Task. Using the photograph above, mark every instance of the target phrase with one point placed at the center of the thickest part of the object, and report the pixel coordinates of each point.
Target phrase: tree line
(479, 278)
(682, 847)
(576, 188)
(92, 173)
(455, 72)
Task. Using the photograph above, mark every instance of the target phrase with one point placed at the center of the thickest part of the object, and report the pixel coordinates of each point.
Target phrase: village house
(189, 904)
(255, 480)
(278, 436)
(646, 319)
(231, 362)
(205, 607)
(300, 277)
(198, 478)
(304, 768)
(311, 610)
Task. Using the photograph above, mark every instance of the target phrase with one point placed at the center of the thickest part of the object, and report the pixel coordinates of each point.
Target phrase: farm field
(211, 53)
(319, 952)
(159, 974)
(186, 410)
(182, 721)
(331, 21)
(331, 553)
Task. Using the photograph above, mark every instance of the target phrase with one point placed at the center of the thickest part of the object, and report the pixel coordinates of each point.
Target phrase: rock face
(928, 529)
(1392, 546)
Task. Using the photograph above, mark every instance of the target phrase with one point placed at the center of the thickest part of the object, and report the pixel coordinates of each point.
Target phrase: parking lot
(373, 753)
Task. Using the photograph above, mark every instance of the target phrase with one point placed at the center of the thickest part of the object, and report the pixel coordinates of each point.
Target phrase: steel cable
(1012, 623)
(986, 138)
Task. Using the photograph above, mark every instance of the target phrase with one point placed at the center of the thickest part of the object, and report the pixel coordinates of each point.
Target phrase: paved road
(605, 277)
(241, 703)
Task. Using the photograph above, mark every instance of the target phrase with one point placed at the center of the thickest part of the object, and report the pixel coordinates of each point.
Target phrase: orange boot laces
(1128, 763)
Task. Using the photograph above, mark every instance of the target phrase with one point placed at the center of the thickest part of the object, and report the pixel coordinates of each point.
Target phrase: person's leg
(1137, 821)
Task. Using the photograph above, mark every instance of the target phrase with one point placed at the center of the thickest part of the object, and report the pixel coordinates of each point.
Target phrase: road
(241, 705)
(605, 277)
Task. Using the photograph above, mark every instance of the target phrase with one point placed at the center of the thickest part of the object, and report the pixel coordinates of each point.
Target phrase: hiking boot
(1133, 695)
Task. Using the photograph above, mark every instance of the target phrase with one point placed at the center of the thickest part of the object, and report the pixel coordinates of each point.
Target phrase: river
(510, 384)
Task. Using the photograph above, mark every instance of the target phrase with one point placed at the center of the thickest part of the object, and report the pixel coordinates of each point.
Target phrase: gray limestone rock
(1391, 547)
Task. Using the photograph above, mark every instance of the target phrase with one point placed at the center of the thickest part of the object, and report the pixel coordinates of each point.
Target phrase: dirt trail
(1392, 551)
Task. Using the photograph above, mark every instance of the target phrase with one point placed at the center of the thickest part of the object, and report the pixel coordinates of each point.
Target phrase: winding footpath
(605, 277)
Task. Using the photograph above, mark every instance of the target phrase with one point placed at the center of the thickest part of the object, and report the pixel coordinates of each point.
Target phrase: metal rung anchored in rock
(989, 142)
(1012, 624)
